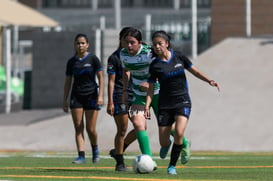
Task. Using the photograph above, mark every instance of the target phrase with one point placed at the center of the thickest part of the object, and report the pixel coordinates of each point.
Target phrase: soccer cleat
(164, 150)
(171, 170)
(112, 153)
(95, 158)
(79, 160)
(121, 167)
(186, 153)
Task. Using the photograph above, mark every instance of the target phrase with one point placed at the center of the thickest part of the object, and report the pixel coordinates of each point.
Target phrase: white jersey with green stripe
(138, 66)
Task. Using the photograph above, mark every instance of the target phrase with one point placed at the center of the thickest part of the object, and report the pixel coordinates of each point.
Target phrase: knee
(122, 132)
(139, 126)
(78, 129)
(165, 141)
(91, 131)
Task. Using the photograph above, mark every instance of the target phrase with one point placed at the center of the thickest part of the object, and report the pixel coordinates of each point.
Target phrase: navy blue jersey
(84, 71)
(172, 78)
(114, 66)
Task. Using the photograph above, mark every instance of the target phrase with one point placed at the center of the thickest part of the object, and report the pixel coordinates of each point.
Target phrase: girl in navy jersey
(174, 100)
(86, 95)
(115, 106)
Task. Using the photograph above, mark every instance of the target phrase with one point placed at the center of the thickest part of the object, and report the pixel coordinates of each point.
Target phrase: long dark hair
(122, 34)
(134, 33)
(164, 35)
(81, 35)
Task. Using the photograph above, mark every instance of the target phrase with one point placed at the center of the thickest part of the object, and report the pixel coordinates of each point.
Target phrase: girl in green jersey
(136, 59)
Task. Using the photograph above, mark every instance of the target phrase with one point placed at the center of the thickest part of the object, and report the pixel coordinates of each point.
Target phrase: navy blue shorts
(166, 116)
(87, 102)
(119, 107)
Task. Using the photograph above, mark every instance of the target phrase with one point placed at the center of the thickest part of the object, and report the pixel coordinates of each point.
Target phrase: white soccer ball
(143, 164)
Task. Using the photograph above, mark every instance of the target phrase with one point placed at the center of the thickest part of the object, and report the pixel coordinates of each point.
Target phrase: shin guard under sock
(143, 142)
(176, 149)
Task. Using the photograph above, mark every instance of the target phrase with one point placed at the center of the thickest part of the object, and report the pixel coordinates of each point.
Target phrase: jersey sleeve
(152, 77)
(69, 71)
(97, 63)
(111, 64)
(188, 64)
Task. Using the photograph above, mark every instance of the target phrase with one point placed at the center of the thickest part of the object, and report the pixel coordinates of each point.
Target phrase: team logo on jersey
(178, 65)
(110, 67)
(87, 65)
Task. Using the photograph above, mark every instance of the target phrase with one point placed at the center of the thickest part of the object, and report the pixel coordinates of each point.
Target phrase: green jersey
(138, 66)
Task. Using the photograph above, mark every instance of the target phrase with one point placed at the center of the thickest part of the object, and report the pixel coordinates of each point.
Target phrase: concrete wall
(50, 54)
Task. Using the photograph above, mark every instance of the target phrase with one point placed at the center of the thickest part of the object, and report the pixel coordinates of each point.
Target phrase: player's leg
(130, 138)
(136, 114)
(185, 141)
(165, 140)
(77, 117)
(121, 121)
(91, 121)
(139, 123)
(180, 126)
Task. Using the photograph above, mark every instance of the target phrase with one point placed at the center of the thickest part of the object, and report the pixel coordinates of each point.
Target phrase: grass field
(57, 166)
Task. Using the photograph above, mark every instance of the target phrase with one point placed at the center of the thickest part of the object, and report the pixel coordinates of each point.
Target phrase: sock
(119, 159)
(185, 142)
(81, 154)
(143, 142)
(94, 148)
(172, 132)
(176, 149)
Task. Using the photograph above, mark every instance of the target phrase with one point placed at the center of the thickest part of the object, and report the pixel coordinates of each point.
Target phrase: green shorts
(141, 100)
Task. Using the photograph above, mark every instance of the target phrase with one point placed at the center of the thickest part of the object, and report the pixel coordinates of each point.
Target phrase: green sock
(172, 132)
(143, 142)
(184, 139)
(185, 142)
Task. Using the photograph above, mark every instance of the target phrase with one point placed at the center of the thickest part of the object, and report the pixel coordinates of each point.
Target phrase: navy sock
(176, 149)
(81, 154)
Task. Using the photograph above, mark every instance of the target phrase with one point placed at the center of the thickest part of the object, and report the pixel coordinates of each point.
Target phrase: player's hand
(110, 109)
(214, 84)
(144, 86)
(100, 101)
(147, 113)
(65, 106)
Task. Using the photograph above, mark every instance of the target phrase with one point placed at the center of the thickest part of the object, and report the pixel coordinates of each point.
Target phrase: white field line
(73, 155)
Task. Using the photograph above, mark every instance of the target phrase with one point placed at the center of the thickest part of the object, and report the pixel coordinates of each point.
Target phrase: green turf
(51, 166)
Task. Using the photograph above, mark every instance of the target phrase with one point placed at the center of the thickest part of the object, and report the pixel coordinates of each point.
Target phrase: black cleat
(121, 167)
(112, 153)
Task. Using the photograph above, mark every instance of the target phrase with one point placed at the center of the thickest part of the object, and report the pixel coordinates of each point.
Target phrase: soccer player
(116, 108)
(136, 59)
(174, 101)
(86, 99)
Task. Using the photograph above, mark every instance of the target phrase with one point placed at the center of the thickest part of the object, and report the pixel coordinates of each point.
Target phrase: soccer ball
(143, 164)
